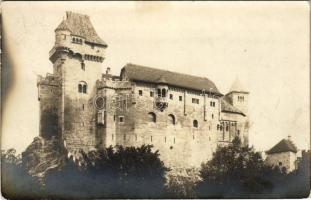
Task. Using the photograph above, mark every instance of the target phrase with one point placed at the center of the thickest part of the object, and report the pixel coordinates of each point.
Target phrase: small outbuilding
(283, 155)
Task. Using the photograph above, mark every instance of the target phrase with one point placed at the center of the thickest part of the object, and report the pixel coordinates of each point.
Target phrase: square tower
(77, 58)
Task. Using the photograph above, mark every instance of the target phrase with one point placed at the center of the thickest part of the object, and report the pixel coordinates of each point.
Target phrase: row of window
(162, 93)
(241, 98)
(93, 58)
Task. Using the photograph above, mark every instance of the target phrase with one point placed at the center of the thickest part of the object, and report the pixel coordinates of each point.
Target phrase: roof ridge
(165, 70)
(177, 79)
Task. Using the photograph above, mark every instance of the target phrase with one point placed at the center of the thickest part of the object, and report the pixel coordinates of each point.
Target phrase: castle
(185, 117)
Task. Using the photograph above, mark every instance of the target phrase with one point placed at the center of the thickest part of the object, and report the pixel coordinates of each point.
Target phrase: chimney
(108, 70)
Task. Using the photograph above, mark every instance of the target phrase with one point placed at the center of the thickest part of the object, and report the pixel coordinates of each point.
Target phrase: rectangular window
(151, 94)
(121, 119)
(140, 92)
(171, 96)
(194, 100)
(180, 98)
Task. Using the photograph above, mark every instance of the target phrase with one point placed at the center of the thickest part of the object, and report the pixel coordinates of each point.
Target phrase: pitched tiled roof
(227, 107)
(80, 25)
(283, 146)
(237, 87)
(152, 75)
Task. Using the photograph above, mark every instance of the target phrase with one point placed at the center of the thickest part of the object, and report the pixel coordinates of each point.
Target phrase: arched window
(82, 87)
(195, 123)
(171, 119)
(163, 92)
(152, 117)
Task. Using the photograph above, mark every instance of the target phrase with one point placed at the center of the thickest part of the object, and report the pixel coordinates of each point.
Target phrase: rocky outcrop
(42, 155)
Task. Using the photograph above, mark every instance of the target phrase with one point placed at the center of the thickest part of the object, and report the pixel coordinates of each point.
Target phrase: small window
(217, 127)
(82, 106)
(280, 163)
(238, 132)
(195, 124)
(151, 94)
(140, 92)
(112, 137)
(82, 87)
(194, 100)
(171, 96)
(220, 127)
(159, 93)
(227, 128)
(83, 66)
(180, 98)
(121, 119)
(212, 116)
(163, 92)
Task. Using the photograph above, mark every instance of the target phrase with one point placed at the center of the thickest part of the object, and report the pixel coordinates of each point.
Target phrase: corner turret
(238, 96)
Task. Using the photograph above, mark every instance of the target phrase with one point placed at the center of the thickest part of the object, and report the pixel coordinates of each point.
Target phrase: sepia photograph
(161, 100)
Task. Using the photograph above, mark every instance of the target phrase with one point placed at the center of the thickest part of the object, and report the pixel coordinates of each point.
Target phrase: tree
(16, 182)
(235, 171)
(120, 172)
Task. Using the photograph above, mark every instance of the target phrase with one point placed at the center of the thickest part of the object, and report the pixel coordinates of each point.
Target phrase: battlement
(113, 84)
(49, 79)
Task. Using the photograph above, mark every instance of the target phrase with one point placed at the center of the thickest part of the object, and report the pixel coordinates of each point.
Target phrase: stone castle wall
(49, 92)
(179, 144)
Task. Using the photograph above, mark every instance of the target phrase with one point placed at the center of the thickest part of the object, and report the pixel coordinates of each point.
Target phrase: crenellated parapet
(49, 79)
(114, 84)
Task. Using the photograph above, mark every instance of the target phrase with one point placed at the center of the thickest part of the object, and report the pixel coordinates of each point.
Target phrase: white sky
(265, 44)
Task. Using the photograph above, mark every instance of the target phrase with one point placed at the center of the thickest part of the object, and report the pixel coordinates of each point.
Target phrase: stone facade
(283, 155)
(184, 117)
(283, 159)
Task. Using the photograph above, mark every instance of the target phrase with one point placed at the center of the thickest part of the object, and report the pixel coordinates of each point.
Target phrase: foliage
(181, 186)
(121, 172)
(16, 183)
(235, 171)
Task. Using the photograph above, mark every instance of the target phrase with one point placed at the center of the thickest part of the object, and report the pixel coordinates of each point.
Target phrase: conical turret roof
(237, 86)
